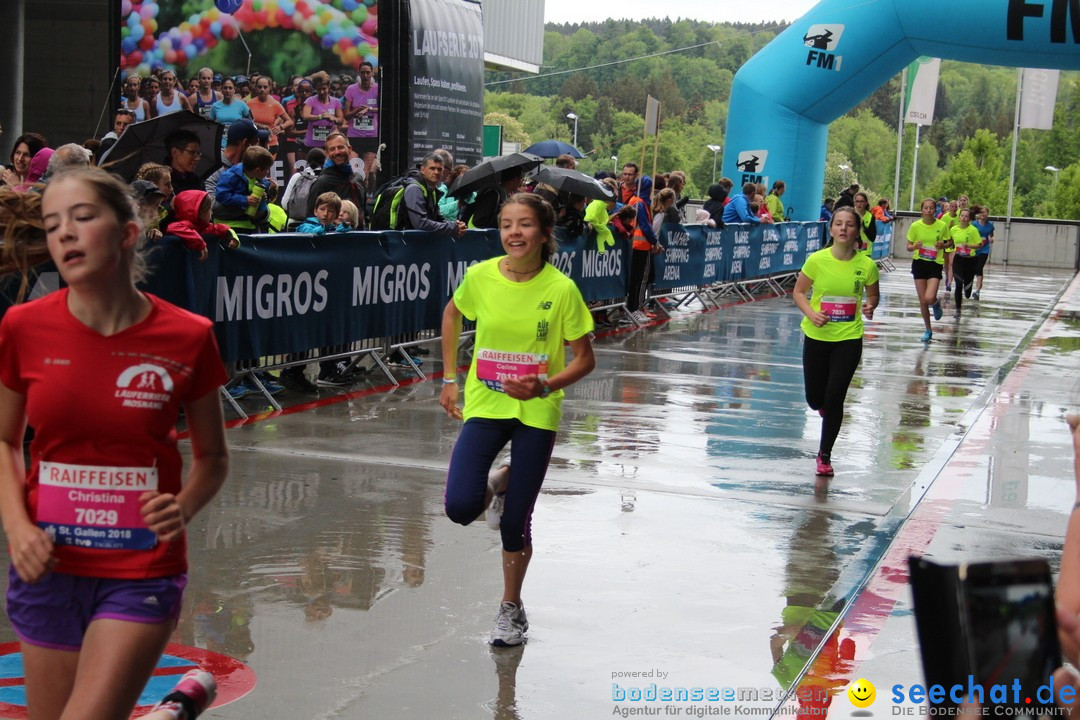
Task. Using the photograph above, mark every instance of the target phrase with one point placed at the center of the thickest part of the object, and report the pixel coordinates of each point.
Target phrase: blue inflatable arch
(783, 98)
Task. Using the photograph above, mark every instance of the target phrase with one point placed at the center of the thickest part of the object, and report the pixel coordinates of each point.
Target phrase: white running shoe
(498, 482)
(510, 626)
(194, 693)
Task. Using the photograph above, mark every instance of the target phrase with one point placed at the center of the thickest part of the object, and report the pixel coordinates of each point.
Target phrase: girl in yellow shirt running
(525, 311)
(927, 240)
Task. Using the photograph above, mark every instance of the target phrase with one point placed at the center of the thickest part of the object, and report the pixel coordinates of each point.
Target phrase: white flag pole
(1012, 166)
(899, 139)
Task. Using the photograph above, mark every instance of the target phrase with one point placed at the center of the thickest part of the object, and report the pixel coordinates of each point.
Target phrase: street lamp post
(615, 164)
(574, 117)
(846, 169)
(1055, 170)
(715, 149)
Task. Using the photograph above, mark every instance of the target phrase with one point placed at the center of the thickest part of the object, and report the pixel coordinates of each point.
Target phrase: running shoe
(824, 466)
(332, 379)
(927, 336)
(975, 294)
(937, 309)
(194, 693)
(238, 391)
(498, 482)
(294, 379)
(510, 626)
(967, 290)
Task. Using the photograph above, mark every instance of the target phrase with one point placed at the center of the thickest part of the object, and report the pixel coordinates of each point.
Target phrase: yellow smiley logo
(861, 693)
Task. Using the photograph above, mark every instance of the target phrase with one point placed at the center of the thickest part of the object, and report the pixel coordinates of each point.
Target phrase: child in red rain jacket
(194, 223)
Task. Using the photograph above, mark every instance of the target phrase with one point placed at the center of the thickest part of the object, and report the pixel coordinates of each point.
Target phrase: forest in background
(966, 150)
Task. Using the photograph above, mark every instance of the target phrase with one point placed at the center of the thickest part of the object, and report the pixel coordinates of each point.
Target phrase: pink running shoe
(824, 466)
(193, 694)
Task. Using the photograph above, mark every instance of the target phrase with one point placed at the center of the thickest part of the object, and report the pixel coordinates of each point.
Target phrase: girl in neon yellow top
(927, 240)
(833, 326)
(967, 241)
(525, 311)
(774, 203)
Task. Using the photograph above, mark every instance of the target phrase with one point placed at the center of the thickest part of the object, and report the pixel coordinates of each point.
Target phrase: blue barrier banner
(682, 262)
(883, 241)
(815, 238)
(290, 293)
(599, 276)
(768, 259)
(792, 248)
(712, 243)
(743, 237)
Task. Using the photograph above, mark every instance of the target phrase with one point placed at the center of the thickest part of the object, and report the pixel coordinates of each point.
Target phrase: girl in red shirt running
(96, 527)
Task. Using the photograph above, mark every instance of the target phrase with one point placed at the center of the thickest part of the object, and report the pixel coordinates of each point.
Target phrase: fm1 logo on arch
(822, 40)
(751, 166)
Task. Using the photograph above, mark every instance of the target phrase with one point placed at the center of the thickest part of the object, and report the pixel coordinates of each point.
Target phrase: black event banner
(446, 79)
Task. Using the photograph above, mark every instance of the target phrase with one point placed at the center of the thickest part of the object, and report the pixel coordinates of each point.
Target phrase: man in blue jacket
(738, 210)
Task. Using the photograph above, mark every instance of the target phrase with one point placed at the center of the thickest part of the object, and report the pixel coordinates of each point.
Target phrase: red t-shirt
(104, 413)
(266, 113)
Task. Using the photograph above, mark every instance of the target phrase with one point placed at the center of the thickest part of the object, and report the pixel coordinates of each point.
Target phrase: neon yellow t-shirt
(925, 237)
(838, 292)
(520, 330)
(949, 219)
(967, 240)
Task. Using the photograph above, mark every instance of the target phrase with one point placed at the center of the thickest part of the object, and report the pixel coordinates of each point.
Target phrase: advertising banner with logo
(1037, 98)
(281, 294)
(446, 79)
(922, 83)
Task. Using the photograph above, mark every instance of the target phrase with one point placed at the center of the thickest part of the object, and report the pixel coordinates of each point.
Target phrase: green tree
(513, 131)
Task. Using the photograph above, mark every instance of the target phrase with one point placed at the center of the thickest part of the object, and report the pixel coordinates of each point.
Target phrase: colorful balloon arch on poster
(347, 27)
(834, 56)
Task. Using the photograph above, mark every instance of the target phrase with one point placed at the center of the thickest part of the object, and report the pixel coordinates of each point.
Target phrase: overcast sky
(561, 11)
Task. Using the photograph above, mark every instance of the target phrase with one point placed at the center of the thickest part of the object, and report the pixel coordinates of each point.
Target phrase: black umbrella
(553, 149)
(574, 182)
(487, 173)
(145, 142)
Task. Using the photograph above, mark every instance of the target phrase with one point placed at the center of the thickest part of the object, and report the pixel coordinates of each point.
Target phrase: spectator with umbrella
(494, 181)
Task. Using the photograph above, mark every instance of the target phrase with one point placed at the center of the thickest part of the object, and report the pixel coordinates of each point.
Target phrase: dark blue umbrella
(553, 149)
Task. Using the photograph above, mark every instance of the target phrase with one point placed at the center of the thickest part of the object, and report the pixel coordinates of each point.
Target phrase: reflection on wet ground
(681, 539)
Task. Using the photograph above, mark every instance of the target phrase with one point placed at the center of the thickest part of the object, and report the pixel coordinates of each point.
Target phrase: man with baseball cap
(241, 135)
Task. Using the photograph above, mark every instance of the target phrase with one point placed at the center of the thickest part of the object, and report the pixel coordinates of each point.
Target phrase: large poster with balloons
(276, 37)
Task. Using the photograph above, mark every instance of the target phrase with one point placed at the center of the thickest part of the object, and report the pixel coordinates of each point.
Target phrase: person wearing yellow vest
(526, 311)
(835, 278)
(967, 241)
(927, 240)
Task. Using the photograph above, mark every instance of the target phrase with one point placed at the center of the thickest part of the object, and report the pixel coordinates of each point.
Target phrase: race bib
(927, 253)
(364, 122)
(92, 506)
(320, 132)
(963, 250)
(839, 308)
(494, 366)
(204, 111)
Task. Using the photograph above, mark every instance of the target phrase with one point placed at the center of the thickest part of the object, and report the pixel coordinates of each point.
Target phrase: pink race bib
(95, 507)
(839, 308)
(494, 366)
(927, 253)
(963, 250)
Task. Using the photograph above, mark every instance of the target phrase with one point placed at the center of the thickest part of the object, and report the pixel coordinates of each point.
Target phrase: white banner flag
(1039, 95)
(922, 79)
(652, 115)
